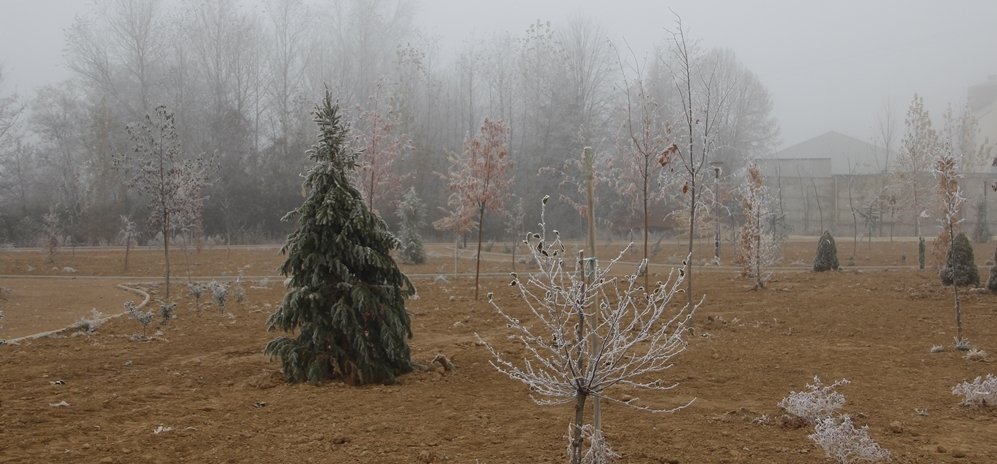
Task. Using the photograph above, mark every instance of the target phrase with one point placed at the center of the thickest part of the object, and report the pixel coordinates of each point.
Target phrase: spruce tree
(345, 295)
(412, 216)
(960, 266)
(827, 254)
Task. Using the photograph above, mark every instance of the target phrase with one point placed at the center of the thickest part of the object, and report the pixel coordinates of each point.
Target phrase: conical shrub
(960, 266)
(827, 254)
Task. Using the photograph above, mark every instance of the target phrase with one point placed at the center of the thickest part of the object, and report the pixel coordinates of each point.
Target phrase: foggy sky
(828, 65)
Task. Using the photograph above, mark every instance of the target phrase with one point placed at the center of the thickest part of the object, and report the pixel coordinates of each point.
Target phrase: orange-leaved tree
(480, 178)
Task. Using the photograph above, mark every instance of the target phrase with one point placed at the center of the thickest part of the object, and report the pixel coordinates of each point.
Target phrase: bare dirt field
(202, 392)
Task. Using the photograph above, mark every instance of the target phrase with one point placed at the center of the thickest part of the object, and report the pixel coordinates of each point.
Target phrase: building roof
(848, 155)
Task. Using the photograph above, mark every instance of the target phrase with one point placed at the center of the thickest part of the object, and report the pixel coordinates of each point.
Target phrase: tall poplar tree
(345, 296)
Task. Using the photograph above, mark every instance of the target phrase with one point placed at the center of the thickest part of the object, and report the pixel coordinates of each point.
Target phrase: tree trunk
(576, 430)
(477, 266)
(692, 230)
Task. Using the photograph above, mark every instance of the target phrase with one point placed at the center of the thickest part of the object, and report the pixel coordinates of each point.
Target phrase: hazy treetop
(828, 65)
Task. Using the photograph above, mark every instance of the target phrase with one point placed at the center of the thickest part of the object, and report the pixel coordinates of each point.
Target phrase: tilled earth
(200, 390)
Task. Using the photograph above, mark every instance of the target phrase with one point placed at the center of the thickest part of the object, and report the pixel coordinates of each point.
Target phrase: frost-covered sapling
(220, 293)
(127, 233)
(577, 348)
(142, 317)
(816, 402)
(756, 250)
(981, 392)
(844, 443)
(166, 311)
(195, 290)
(827, 254)
(412, 217)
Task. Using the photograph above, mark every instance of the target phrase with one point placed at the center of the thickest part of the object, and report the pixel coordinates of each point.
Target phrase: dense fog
(416, 80)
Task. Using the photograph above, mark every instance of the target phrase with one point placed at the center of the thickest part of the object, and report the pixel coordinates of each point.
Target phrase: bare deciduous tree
(588, 335)
(170, 181)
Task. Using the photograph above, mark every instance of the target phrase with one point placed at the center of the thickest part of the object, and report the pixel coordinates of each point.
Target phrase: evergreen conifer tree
(827, 254)
(345, 295)
(412, 216)
(960, 266)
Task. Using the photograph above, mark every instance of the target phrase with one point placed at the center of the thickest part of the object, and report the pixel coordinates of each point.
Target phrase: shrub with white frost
(844, 443)
(818, 401)
(981, 392)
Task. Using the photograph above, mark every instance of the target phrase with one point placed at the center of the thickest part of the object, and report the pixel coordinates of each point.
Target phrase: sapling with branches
(578, 348)
(481, 176)
(648, 149)
(172, 182)
(142, 317)
(704, 99)
(195, 290)
(380, 144)
(756, 250)
(412, 217)
(220, 293)
(946, 165)
(917, 149)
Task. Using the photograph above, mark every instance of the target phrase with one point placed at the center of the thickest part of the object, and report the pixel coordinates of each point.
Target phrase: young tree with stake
(756, 250)
(172, 182)
(586, 335)
(480, 177)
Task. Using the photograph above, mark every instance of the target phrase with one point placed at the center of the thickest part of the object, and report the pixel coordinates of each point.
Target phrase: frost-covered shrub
(982, 392)
(960, 266)
(89, 323)
(142, 317)
(844, 443)
(818, 401)
(195, 290)
(975, 354)
(827, 254)
(220, 293)
(166, 312)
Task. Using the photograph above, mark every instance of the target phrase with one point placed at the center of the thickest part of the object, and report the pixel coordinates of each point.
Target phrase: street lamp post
(716, 208)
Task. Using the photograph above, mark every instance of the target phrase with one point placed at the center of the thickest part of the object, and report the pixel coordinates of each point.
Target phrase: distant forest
(241, 80)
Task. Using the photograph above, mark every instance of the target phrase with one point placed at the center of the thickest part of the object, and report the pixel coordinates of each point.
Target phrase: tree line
(238, 80)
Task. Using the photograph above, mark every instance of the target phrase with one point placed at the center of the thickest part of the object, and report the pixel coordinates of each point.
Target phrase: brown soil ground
(205, 379)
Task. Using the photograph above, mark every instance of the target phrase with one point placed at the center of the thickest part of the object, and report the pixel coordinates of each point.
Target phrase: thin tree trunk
(692, 229)
(576, 431)
(477, 266)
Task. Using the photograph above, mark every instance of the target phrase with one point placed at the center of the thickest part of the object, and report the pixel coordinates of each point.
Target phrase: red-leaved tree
(480, 177)
(379, 141)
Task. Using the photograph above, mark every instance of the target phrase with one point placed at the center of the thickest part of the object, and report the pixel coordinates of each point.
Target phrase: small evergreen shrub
(960, 266)
(827, 254)
(992, 281)
(920, 252)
